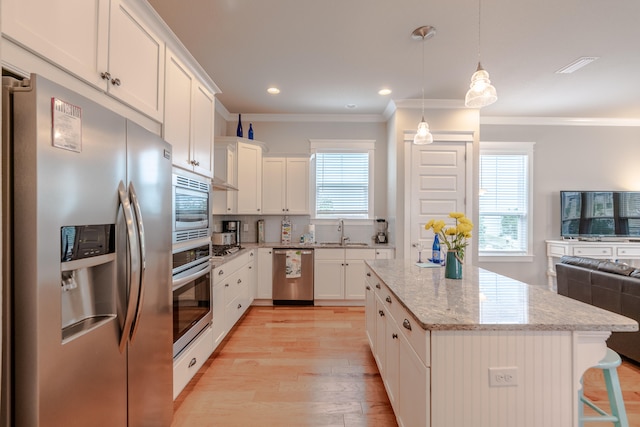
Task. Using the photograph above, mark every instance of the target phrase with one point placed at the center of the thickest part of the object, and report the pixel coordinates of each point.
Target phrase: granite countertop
(484, 300)
(319, 245)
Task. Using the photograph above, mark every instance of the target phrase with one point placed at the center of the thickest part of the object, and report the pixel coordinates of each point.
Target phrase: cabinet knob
(388, 299)
(192, 362)
(239, 306)
(378, 286)
(368, 274)
(220, 273)
(368, 287)
(406, 324)
(239, 281)
(381, 313)
(226, 285)
(394, 336)
(105, 76)
(115, 82)
(258, 209)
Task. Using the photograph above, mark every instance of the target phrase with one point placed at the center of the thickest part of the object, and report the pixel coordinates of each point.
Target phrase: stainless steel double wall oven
(192, 305)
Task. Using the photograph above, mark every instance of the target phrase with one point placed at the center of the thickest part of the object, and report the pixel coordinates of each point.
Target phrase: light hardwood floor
(311, 366)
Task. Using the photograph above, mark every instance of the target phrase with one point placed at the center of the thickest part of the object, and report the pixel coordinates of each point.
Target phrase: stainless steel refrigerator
(88, 309)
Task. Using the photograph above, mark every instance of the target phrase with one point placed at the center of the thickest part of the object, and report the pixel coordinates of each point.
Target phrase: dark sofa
(612, 286)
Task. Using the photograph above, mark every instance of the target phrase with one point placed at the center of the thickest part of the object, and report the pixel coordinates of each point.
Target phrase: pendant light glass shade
(423, 136)
(481, 92)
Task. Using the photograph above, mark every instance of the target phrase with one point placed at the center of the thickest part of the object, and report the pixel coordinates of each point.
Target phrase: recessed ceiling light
(577, 64)
(384, 91)
(351, 106)
(273, 90)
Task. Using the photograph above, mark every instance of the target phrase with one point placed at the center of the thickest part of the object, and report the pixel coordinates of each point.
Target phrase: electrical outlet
(503, 377)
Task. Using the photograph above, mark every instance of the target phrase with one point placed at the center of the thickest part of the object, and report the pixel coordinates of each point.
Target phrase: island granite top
(484, 300)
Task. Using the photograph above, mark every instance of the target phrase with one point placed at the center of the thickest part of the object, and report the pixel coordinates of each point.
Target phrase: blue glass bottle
(239, 129)
(250, 131)
(435, 250)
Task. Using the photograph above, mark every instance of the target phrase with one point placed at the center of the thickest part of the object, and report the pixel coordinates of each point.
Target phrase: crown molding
(301, 118)
(558, 121)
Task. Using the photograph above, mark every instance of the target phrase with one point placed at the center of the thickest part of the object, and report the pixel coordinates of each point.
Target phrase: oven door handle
(198, 272)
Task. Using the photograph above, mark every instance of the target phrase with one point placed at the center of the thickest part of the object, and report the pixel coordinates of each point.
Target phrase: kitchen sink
(357, 244)
(329, 244)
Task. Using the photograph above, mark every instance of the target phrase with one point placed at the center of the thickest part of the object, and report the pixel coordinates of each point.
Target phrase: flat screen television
(598, 214)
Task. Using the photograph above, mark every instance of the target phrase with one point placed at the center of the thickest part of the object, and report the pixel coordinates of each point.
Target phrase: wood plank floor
(311, 366)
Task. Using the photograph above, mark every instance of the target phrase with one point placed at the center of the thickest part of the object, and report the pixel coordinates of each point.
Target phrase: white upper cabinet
(99, 41)
(249, 179)
(286, 185)
(188, 118)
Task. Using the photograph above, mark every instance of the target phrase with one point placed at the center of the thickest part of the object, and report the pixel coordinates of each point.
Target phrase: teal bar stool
(618, 414)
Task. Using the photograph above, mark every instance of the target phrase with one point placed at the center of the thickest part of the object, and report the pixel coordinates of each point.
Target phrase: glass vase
(453, 267)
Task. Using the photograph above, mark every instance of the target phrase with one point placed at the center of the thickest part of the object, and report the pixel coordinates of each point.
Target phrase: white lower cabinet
(339, 273)
(401, 350)
(187, 364)
(265, 273)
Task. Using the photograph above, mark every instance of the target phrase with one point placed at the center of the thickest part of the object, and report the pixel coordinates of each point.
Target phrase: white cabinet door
(252, 276)
(265, 273)
(218, 323)
(70, 33)
(136, 62)
(414, 399)
(297, 188)
(275, 185)
(177, 111)
(328, 278)
(370, 314)
(203, 122)
(392, 361)
(354, 280)
(381, 330)
(249, 179)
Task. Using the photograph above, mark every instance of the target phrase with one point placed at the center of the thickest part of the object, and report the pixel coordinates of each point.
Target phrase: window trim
(525, 148)
(336, 146)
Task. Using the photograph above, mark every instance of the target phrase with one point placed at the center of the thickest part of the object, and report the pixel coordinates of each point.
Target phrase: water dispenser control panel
(84, 241)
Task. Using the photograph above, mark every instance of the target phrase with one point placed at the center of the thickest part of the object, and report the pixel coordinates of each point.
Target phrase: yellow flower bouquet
(454, 237)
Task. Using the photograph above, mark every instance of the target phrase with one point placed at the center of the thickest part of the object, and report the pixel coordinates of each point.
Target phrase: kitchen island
(486, 350)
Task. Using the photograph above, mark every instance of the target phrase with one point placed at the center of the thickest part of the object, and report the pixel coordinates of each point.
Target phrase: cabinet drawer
(631, 251)
(225, 270)
(232, 287)
(602, 251)
(188, 363)
(556, 250)
(418, 338)
(329, 254)
(360, 254)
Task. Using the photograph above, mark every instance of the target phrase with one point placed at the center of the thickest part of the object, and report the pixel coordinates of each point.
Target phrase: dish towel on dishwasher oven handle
(293, 266)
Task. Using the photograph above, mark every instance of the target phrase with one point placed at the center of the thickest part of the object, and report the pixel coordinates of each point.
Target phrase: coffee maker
(232, 227)
(381, 230)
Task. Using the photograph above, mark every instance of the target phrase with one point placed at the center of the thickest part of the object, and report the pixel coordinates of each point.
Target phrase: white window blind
(504, 211)
(342, 184)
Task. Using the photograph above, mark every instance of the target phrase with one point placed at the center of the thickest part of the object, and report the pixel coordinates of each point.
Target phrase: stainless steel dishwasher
(293, 276)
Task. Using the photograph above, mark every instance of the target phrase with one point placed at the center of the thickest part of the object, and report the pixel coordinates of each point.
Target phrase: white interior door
(438, 186)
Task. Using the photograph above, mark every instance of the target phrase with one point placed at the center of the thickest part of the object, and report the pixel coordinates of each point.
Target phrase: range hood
(220, 184)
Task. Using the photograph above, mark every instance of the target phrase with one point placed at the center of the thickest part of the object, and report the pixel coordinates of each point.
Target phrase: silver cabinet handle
(406, 324)
(192, 362)
(220, 273)
(115, 82)
(105, 76)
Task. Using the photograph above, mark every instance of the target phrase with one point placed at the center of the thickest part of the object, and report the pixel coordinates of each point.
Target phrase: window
(342, 173)
(505, 199)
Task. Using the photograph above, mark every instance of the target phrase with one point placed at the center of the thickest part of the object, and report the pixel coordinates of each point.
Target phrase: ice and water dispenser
(88, 278)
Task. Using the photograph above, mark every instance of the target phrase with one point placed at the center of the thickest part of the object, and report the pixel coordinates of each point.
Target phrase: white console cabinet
(620, 250)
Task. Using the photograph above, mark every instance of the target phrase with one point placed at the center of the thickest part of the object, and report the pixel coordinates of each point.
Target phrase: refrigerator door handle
(134, 270)
(143, 258)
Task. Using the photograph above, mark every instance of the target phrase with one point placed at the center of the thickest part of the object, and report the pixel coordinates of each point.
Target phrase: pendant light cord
(479, 20)
(423, 39)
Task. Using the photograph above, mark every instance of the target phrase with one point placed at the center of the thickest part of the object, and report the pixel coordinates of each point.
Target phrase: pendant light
(481, 93)
(423, 136)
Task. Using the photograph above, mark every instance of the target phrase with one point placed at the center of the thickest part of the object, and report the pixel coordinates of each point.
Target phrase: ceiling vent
(577, 64)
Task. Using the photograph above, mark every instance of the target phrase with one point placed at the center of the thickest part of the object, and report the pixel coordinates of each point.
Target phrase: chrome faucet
(343, 239)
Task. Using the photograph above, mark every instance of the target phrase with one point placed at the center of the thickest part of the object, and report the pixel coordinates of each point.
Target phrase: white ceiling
(324, 54)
